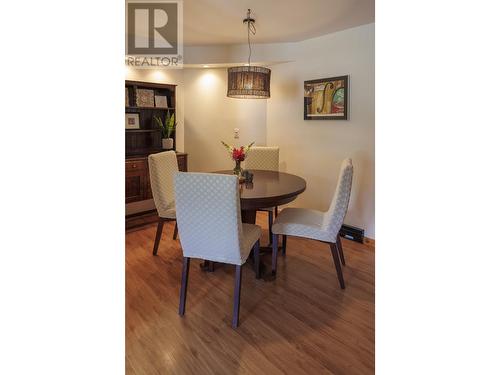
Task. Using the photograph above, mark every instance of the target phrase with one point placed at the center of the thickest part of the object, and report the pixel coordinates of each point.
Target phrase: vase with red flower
(238, 154)
(237, 168)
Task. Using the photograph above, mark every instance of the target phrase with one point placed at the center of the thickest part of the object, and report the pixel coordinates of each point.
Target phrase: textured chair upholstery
(318, 225)
(268, 159)
(162, 169)
(301, 222)
(209, 218)
(210, 227)
(265, 158)
(322, 226)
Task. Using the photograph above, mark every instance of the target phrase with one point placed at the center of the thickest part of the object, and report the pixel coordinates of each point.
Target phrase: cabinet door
(182, 162)
(133, 187)
(148, 194)
(135, 180)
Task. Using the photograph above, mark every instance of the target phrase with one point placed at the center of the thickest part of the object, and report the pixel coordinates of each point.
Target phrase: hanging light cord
(253, 30)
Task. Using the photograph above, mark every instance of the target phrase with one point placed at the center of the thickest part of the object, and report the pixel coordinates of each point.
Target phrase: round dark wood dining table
(268, 189)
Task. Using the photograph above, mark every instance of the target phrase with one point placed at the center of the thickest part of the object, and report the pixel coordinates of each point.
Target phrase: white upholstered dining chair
(162, 169)
(267, 159)
(318, 225)
(210, 227)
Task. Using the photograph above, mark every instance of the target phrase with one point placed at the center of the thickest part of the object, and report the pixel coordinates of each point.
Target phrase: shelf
(143, 130)
(146, 153)
(148, 136)
(161, 108)
(151, 85)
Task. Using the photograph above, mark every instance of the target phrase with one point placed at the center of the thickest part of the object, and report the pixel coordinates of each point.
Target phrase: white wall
(211, 116)
(315, 149)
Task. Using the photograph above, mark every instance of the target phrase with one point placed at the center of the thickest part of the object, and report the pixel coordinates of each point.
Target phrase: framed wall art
(132, 121)
(326, 99)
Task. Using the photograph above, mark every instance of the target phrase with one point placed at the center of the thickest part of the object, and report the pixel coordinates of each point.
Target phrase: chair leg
(176, 230)
(276, 211)
(270, 222)
(283, 245)
(184, 282)
(336, 260)
(237, 292)
(275, 253)
(159, 229)
(341, 251)
(256, 259)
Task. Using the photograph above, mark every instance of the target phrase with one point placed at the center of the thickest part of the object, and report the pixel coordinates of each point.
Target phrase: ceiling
(209, 22)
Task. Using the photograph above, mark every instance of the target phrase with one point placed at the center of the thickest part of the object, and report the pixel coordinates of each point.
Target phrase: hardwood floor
(300, 323)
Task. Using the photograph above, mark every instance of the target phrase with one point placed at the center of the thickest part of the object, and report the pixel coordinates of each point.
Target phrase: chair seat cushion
(302, 222)
(167, 214)
(251, 234)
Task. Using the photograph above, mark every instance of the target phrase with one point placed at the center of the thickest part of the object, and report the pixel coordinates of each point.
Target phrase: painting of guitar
(326, 99)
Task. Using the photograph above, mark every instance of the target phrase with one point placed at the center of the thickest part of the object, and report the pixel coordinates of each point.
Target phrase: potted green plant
(167, 128)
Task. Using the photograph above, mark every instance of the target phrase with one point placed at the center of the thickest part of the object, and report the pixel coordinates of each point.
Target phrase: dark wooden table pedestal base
(248, 217)
(207, 266)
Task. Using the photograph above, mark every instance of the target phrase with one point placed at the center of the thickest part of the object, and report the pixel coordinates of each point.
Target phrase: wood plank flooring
(300, 323)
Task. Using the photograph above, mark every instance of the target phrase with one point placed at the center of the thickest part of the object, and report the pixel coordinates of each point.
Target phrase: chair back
(265, 158)
(209, 216)
(162, 169)
(335, 215)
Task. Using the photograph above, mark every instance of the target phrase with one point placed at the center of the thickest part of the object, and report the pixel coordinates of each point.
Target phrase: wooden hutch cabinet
(141, 142)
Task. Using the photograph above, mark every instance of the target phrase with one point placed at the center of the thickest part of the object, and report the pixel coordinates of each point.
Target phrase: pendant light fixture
(249, 82)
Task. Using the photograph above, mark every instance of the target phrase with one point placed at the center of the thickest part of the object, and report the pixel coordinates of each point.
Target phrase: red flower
(238, 154)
